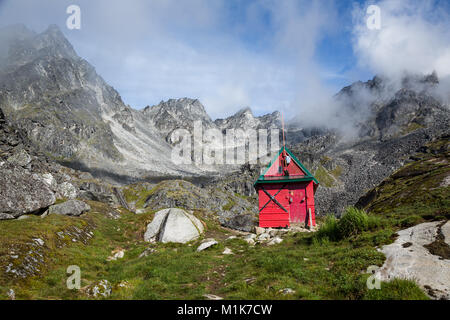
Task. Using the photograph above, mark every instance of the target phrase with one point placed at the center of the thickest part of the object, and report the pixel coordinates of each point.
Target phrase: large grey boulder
(22, 192)
(70, 208)
(173, 225)
(154, 227)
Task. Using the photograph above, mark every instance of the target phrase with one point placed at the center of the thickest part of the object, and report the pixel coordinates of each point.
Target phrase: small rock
(259, 230)
(116, 254)
(123, 284)
(250, 236)
(231, 237)
(212, 297)
(100, 289)
(147, 252)
(275, 240)
(273, 232)
(250, 280)
(39, 241)
(227, 251)
(11, 294)
(263, 237)
(286, 291)
(250, 241)
(113, 214)
(206, 244)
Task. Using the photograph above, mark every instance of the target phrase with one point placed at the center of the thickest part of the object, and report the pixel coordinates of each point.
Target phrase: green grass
(137, 193)
(313, 269)
(397, 289)
(352, 222)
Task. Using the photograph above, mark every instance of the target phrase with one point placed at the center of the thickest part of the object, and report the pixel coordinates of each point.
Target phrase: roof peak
(308, 176)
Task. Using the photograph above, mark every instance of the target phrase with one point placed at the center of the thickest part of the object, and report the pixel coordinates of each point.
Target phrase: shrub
(375, 222)
(352, 222)
(329, 229)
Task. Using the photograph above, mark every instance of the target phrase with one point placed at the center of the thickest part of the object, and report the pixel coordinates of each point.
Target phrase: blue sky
(266, 54)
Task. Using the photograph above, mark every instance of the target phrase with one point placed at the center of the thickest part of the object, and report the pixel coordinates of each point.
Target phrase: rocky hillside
(421, 187)
(30, 182)
(397, 125)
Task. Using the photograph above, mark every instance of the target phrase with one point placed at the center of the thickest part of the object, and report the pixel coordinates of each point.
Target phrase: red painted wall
(272, 215)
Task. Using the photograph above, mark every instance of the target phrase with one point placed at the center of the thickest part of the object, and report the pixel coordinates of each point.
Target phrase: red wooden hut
(286, 192)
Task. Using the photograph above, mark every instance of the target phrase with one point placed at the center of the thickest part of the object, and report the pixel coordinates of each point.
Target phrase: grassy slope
(313, 267)
(315, 270)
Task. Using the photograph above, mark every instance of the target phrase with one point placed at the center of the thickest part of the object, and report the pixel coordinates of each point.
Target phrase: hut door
(298, 205)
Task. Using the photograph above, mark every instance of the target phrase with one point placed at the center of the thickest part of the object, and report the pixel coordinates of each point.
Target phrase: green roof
(307, 177)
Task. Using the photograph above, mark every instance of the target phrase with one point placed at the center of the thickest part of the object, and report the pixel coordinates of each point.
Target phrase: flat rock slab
(206, 244)
(407, 258)
(445, 229)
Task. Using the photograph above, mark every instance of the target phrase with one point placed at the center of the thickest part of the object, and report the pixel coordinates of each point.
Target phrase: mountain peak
(53, 39)
(244, 112)
(182, 109)
(53, 28)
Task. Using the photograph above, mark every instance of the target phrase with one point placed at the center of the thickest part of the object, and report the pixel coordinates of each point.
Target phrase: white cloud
(414, 37)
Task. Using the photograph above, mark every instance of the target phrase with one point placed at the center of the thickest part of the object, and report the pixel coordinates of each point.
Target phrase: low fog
(412, 44)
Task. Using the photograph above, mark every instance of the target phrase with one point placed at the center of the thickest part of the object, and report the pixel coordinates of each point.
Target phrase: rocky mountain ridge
(68, 110)
(71, 112)
(397, 125)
